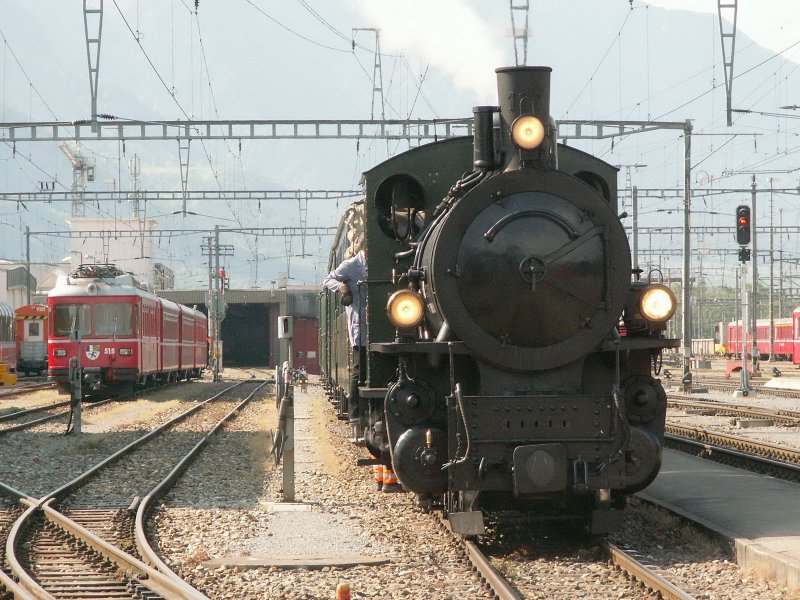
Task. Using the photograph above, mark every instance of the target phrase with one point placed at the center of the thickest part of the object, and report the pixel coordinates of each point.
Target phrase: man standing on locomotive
(344, 279)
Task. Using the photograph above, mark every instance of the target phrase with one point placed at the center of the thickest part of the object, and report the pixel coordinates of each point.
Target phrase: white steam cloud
(448, 34)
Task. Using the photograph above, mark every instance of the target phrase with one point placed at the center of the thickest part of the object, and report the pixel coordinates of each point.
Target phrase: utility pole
(728, 40)
(754, 300)
(93, 29)
(216, 306)
(217, 356)
(28, 262)
(686, 275)
(635, 232)
(771, 274)
(212, 305)
(377, 76)
(520, 34)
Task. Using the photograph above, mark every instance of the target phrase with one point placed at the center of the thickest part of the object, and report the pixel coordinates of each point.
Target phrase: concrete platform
(308, 533)
(759, 515)
(783, 383)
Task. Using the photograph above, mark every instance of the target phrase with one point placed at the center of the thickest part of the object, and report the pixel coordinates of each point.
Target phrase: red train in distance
(786, 338)
(32, 323)
(127, 335)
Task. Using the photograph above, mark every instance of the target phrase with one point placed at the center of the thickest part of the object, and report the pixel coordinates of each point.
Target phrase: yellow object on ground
(7, 378)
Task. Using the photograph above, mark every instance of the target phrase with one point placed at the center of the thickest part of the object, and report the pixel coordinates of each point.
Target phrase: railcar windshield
(113, 319)
(6, 323)
(67, 316)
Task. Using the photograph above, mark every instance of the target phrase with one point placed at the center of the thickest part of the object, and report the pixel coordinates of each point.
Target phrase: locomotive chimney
(484, 150)
(524, 97)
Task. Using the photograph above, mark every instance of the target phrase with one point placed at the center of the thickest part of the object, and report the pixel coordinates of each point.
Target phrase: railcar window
(113, 319)
(65, 315)
(400, 201)
(6, 329)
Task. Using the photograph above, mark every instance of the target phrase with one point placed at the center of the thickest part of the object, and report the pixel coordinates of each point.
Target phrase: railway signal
(743, 225)
(743, 230)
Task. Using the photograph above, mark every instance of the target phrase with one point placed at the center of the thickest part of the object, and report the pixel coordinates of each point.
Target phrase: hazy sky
(294, 59)
(774, 24)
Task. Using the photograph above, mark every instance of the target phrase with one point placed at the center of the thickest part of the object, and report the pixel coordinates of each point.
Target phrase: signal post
(286, 411)
(743, 231)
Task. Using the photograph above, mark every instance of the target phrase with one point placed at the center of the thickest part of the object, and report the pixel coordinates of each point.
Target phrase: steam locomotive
(513, 353)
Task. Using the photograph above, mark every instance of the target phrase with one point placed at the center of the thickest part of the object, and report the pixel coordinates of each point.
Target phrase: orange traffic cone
(390, 483)
(343, 591)
(377, 475)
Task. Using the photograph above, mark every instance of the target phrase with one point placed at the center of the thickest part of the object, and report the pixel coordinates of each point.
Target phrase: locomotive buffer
(743, 239)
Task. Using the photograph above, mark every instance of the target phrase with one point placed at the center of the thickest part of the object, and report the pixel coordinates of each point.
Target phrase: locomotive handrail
(632, 343)
(459, 347)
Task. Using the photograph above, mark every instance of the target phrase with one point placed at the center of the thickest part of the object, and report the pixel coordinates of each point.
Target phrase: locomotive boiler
(513, 352)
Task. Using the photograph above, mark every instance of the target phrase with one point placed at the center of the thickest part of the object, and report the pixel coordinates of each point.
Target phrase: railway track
(762, 457)
(50, 415)
(731, 385)
(24, 388)
(622, 566)
(87, 538)
(789, 418)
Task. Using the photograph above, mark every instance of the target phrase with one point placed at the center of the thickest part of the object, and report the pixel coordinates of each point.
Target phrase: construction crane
(82, 173)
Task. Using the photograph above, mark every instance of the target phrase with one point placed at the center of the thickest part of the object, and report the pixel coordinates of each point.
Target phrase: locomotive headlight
(657, 303)
(527, 132)
(59, 352)
(405, 309)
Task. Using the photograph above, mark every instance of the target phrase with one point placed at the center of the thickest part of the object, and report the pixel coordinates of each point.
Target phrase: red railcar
(120, 331)
(32, 322)
(786, 337)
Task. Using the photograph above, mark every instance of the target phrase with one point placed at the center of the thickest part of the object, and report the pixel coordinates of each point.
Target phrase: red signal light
(743, 225)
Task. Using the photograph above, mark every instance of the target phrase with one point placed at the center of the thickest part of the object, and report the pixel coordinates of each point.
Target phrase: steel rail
(785, 417)
(71, 485)
(149, 555)
(27, 424)
(35, 409)
(35, 506)
(792, 471)
(26, 387)
(26, 581)
(10, 585)
(151, 578)
(498, 584)
(21, 413)
(647, 575)
(782, 455)
(728, 385)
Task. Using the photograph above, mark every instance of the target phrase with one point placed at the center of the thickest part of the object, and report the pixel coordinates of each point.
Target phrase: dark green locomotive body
(530, 379)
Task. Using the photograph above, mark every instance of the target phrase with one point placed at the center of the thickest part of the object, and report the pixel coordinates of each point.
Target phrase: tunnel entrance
(245, 335)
